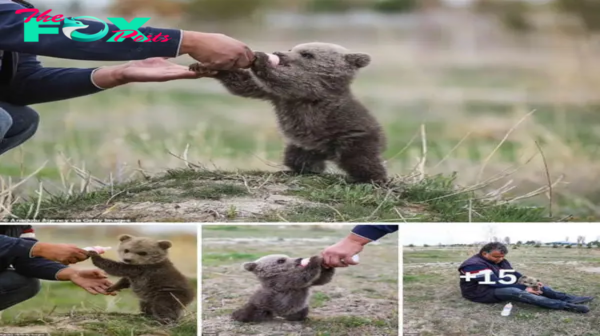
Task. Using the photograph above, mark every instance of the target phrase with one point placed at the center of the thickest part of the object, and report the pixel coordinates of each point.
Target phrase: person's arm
(12, 248)
(34, 84)
(484, 276)
(58, 45)
(374, 232)
(38, 268)
(18, 252)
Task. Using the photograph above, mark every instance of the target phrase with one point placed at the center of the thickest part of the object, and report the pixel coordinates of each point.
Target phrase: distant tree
(587, 12)
(580, 239)
(514, 14)
(507, 240)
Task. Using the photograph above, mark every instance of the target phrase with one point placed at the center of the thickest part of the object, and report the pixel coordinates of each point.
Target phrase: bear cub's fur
(285, 288)
(530, 282)
(316, 110)
(163, 291)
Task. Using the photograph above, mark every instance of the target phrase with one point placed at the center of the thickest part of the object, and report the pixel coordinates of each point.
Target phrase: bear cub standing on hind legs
(285, 288)
(317, 113)
(163, 290)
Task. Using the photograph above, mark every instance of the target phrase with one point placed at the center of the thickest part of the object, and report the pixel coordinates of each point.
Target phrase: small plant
(395, 6)
(569, 246)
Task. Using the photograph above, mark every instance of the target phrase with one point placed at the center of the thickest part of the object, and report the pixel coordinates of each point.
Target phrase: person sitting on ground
(24, 261)
(480, 277)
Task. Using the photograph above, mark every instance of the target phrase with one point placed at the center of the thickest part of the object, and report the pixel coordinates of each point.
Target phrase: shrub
(514, 15)
(395, 6)
(219, 10)
(586, 11)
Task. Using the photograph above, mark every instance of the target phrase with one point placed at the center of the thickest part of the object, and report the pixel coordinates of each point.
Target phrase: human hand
(63, 253)
(341, 253)
(216, 51)
(94, 281)
(533, 291)
(156, 69)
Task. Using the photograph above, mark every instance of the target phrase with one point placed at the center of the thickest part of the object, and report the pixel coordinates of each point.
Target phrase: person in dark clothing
(340, 254)
(24, 81)
(488, 277)
(24, 262)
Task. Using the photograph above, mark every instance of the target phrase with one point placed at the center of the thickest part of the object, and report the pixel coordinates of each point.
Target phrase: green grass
(326, 198)
(67, 310)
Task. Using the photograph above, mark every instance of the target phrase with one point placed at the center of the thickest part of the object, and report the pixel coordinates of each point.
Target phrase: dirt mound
(256, 196)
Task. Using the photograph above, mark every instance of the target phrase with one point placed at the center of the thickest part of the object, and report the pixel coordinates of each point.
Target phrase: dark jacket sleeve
(35, 84)
(17, 252)
(58, 45)
(374, 232)
(12, 248)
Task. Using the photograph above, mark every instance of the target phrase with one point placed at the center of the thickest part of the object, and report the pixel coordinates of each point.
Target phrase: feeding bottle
(506, 310)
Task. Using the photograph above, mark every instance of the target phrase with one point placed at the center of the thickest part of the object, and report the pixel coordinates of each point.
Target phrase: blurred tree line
(516, 15)
(238, 9)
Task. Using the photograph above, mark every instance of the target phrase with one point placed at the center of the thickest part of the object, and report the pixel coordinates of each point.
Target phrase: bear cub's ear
(249, 266)
(124, 237)
(164, 244)
(358, 60)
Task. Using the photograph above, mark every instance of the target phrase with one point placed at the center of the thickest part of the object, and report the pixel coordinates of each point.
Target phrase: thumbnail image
(98, 279)
(300, 279)
(501, 279)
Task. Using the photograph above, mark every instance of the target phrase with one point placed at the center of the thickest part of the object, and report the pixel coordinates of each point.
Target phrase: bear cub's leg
(304, 161)
(121, 284)
(166, 310)
(363, 164)
(251, 313)
(325, 277)
(298, 316)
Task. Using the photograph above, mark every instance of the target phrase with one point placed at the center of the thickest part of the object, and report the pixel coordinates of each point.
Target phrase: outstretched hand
(93, 280)
(341, 253)
(156, 70)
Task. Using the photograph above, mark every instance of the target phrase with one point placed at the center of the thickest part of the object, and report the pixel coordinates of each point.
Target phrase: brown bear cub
(316, 110)
(285, 288)
(163, 291)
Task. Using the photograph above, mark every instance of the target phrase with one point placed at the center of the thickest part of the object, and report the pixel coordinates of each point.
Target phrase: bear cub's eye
(306, 54)
(281, 261)
(142, 253)
(126, 251)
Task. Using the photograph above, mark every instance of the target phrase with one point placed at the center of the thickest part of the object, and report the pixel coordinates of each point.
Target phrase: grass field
(360, 300)
(433, 305)
(515, 125)
(63, 309)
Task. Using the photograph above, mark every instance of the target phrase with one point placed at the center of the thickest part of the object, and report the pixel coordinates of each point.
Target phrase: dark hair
(489, 247)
